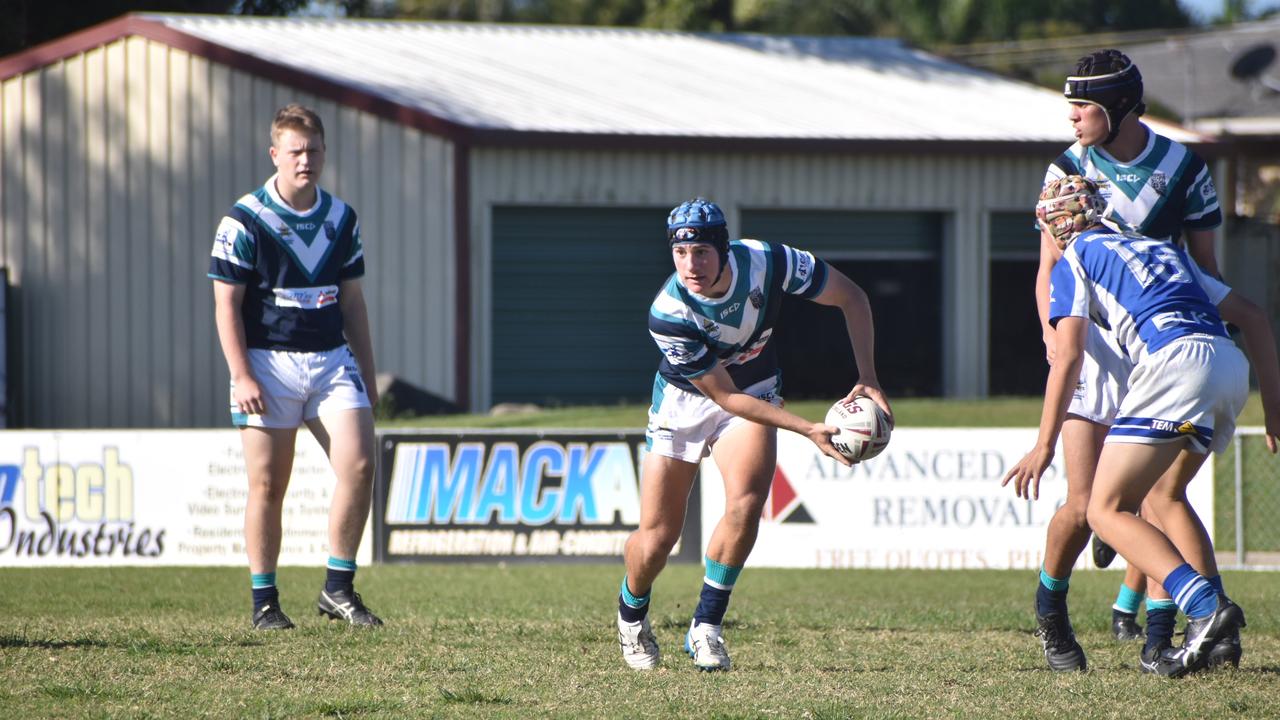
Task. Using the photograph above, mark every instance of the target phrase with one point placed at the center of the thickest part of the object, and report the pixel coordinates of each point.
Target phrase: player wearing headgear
(286, 266)
(717, 393)
(1189, 382)
(1159, 188)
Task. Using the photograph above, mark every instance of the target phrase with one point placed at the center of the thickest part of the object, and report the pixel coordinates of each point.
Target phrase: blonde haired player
(286, 269)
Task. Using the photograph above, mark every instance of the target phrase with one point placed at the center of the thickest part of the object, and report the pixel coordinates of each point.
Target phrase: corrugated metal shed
(617, 81)
(161, 121)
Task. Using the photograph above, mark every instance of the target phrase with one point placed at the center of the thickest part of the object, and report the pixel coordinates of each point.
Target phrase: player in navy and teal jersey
(1188, 383)
(717, 393)
(287, 264)
(1159, 188)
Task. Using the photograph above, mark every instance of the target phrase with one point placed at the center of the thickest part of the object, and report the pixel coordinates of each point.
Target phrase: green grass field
(908, 412)
(538, 641)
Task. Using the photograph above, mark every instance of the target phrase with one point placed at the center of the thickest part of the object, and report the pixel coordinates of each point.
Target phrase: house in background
(512, 184)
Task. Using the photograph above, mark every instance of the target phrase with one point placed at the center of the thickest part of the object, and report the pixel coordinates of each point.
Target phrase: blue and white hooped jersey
(694, 332)
(1147, 292)
(292, 265)
(1159, 193)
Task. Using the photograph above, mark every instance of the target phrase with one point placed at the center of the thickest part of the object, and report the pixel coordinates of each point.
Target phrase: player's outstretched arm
(845, 294)
(1064, 373)
(355, 326)
(1260, 344)
(1049, 255)
(227, 300)
(1200, 246)
(717, 386)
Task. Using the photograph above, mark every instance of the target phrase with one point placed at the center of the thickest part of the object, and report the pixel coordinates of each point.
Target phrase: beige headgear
(1068, 206)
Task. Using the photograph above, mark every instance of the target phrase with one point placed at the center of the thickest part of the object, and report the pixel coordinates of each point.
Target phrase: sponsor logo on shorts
(312, 298)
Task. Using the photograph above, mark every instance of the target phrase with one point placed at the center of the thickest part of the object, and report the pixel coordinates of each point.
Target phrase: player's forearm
(1063, 375)
(1260, 344)
(862, 335)
(758, 411)
(231, 336)
(355, 327)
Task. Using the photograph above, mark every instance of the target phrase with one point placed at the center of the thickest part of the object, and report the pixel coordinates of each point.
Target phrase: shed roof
(1191, 74)
(508, 83)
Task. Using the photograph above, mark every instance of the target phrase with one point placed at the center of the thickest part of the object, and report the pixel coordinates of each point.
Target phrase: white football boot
(639, 646)
(706, 646)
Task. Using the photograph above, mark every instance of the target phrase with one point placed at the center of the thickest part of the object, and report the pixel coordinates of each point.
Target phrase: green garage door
(571, 294)
(896, 257)
(1017, 365)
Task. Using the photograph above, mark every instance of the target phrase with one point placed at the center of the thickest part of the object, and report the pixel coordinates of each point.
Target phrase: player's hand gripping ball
(864, 428)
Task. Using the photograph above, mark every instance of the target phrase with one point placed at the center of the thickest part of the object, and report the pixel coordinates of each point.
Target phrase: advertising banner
(932, 500)
(148, 497)
(512, 497)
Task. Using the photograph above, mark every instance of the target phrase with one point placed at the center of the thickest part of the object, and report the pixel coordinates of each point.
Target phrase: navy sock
(1161, 617)
(1216, 582)
(717, 585)
(340, 575)
(1051, 595)
(263, 586)
(632, 608)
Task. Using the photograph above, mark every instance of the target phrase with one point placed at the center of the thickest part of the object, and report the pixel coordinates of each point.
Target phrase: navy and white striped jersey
(292, 265)
(694, 332)
(1159, 193)
(1147, 292)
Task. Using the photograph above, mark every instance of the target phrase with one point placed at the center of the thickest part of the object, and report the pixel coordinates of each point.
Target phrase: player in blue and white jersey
(1189, 382)
(286, 266)
(717, 393)
(1159, 188)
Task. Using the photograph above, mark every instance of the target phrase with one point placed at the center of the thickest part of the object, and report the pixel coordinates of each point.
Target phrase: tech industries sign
(932, 499)
(512, 497)
(148, 497)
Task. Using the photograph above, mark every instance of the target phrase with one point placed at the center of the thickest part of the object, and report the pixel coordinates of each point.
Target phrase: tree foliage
(927, 23)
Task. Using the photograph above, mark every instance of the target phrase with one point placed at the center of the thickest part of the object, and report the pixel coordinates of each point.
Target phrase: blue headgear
(700, 221)
(1110, 80)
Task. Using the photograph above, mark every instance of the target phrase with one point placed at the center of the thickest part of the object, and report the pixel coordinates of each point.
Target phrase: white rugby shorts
(1192, 388)
(1104, 376)
(685, 425)
(301, 386)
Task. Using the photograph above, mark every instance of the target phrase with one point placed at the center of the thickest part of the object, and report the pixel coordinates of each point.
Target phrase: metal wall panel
(115, 166)
(964, 188)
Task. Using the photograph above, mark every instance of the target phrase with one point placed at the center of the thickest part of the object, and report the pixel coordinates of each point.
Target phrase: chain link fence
(1246, 499)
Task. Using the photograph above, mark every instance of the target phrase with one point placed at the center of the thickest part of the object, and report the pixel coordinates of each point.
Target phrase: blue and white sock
(340, 575)
(263, 587)
(632, 608)
(1128, 600)
(717, 584)
(1193, 594)
(1162, 615)
(1051, 594)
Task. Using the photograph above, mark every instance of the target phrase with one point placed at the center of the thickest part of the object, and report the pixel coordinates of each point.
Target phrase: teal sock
(1128, 600)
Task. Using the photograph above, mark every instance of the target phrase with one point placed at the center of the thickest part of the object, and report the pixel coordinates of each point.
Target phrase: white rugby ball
(864, 428)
